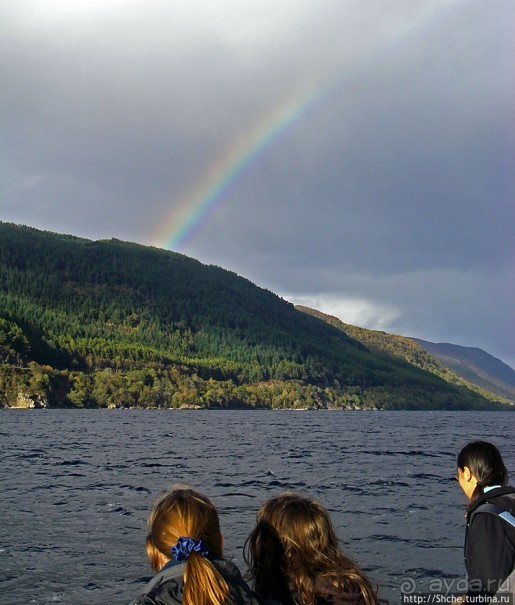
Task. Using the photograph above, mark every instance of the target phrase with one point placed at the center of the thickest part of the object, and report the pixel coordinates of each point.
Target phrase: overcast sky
(362, 150)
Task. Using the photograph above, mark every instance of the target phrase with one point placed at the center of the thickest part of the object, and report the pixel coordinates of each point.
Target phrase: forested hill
(417, 353)
(113, 324)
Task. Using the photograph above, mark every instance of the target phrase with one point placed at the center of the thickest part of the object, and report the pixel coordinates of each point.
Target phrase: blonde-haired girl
(184, 546)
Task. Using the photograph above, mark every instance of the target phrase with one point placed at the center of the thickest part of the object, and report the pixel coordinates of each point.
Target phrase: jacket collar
(171, 571)
(490, 494)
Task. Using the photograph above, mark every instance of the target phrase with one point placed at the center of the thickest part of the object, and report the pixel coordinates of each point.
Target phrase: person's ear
(467, 475)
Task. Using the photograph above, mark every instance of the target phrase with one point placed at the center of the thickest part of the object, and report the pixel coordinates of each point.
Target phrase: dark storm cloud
(388, 201)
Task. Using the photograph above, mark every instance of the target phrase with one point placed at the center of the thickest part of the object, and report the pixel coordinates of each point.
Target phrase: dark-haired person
(294, 557)
(490, 534)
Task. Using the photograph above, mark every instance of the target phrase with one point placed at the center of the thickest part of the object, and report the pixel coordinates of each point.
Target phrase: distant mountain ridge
(475, 365)
(457, 365)
(114, 324)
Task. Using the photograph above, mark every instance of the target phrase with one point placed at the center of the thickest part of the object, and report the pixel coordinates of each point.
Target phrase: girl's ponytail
(479, 490)
(203, 583)
(183, 525)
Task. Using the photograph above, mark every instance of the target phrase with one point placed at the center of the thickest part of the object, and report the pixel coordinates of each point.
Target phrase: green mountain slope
(411, 350)
(110, 323)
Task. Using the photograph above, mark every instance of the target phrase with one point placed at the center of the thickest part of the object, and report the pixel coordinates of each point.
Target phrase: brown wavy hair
(184, 512)
(293, 551)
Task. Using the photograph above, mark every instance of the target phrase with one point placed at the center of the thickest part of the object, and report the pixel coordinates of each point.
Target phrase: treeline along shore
(115, 324)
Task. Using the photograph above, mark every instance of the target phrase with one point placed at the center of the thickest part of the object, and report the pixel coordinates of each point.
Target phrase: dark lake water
(76, 487)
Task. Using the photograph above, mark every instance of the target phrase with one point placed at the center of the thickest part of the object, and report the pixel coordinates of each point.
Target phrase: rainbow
(190, 215)
(201, 203)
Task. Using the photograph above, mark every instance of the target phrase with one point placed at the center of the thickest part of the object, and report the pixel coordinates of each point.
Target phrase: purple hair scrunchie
(185, 546)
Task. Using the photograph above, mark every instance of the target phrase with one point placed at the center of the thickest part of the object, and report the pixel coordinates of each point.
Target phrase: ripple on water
(86, 504)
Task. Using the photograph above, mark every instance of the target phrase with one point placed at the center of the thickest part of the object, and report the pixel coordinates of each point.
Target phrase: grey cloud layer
(395, 188)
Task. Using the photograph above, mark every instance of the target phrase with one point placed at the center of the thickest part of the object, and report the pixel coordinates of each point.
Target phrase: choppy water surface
(77, 486)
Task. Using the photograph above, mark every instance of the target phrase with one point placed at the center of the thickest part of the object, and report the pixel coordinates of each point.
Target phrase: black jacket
(489, 542)
(167, 586)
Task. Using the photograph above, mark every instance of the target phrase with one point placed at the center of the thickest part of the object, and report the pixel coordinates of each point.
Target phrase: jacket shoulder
(144, 600)
(495, 515)
(165, 587)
